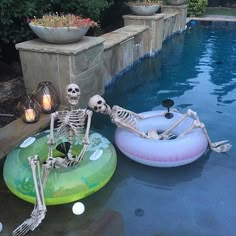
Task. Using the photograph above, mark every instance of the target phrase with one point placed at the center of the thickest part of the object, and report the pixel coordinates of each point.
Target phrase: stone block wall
(80, 63)
(124, 46)
(94, 61)
(155, 24)
(181, 12)
(170, 25)
(171, 20)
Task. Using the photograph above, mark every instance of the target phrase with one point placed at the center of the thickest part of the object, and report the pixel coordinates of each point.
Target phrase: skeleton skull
(73, 94)
(98, 104)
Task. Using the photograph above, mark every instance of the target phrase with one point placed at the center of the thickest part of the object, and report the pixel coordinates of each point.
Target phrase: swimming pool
(197, 70)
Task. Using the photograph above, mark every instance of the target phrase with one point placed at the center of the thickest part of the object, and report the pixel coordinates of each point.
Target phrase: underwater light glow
(78, 208)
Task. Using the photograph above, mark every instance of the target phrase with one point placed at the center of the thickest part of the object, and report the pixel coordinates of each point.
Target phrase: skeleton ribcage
(123, 116)
(71, 121)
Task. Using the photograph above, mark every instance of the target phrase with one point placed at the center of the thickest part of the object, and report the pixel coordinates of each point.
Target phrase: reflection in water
(193, 70)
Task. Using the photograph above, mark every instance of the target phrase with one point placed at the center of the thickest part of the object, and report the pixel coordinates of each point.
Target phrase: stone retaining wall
(94, 61)
(124, 46)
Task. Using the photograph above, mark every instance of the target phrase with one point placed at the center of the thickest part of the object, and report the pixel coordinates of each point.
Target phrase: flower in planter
(144, 8)
(61, 28)
(69, 20)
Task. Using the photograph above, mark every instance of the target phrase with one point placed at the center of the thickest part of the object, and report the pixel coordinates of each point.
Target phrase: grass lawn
(220, 11)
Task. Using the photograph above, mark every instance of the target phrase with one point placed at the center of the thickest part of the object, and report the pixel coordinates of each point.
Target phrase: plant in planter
(145, 7)
(61, 28)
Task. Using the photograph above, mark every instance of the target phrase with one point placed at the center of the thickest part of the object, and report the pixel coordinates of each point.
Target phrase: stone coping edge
(122, 34)
(37, 45)
(169, 15)
(156, 16)
(211, 19)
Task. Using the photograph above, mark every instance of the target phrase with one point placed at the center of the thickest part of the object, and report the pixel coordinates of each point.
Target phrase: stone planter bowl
(144, 10)
(59, 35)
(176, 2)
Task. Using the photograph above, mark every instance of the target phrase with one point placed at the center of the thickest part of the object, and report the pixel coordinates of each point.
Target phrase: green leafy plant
(13, 21)
(14, 27)
(196, 7)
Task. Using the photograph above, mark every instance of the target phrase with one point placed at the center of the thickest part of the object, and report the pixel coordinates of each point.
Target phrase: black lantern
(30, 109)
(47, 97)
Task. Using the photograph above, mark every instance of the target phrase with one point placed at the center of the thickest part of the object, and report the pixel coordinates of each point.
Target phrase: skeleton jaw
(73, 100)
(106, 110)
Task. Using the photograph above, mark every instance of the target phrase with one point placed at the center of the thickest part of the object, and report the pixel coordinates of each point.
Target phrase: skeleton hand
(152, 134)
(86, 141)
(221, 146)
(143, 135)
(166, 136)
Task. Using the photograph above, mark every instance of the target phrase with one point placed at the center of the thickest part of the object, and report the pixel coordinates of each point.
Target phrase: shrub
(87, 8)
(13, 19)
(14, 27)
(14, 13)
(196, 7)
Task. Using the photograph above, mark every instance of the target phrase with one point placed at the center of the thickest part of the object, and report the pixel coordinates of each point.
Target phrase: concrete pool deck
(213, 18)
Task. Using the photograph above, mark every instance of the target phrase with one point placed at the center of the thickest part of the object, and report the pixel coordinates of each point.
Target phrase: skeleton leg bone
(39, 212)
(221, 146)
(123, 125)
(166, 134)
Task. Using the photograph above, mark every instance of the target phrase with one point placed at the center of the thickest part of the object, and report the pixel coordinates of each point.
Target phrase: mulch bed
(8, 109)
(8, 113)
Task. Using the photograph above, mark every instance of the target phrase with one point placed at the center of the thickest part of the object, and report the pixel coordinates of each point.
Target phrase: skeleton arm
(117, 122)
(86, 136)
(115, 107)
(51, 140)
(89, 114)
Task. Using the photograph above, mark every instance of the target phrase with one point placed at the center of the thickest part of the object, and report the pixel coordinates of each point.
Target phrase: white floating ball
(1, 227)
(78, 208)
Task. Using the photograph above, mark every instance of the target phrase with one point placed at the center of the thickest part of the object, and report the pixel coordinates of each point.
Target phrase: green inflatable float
(63, 185)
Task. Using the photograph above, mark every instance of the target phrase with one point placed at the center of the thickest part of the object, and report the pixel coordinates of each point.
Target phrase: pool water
(197, 70)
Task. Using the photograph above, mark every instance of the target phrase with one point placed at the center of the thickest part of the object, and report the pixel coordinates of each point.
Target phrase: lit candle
(30, 115)
(47, 102)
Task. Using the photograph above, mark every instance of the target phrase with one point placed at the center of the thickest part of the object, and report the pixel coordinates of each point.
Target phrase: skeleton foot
(221, 146)
(36, 218)
(23, 228)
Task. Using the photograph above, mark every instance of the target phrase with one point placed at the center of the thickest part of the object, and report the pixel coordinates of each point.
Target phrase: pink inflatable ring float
(162, 153)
